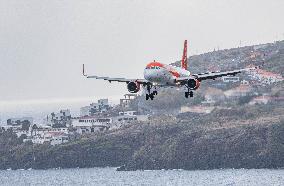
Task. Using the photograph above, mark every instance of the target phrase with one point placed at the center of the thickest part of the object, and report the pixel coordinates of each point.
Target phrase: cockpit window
(153, 67)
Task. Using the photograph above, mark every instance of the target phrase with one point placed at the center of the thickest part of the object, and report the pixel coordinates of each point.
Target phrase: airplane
(157, 74)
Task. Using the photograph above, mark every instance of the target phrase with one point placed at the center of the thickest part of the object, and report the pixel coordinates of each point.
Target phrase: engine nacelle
(133, 87)
(193, 84)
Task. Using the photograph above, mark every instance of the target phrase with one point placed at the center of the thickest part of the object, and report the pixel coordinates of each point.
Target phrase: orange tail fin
(184, 56)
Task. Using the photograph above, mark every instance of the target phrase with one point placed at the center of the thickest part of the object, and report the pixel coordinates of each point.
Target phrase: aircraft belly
(166, 78)
(160, 77)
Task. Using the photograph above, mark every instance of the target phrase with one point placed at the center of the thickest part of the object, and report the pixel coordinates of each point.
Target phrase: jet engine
(193, 84)
(133, 87)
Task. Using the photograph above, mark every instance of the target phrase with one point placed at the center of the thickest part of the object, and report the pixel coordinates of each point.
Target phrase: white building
(90, 120)
(19, 133)
(47, 134)
(91, 124)
(61, 114)
(128, 113)
(44, 129)
(101, 106)
(124, 102)
(54, 138)
(228, 79)
(39, 139)
(62, 118)
(121, 120)
(12, 127)
(103, 103)
(59, 138)
(85, 111)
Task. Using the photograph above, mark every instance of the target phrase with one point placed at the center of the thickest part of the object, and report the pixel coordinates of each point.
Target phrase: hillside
(206, 144)
(244, 137)
(269, 56)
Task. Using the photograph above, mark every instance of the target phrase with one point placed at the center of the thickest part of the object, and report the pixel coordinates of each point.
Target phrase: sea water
(109, 176)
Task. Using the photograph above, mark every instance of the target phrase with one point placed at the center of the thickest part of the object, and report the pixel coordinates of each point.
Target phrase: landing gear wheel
(147, 96)
(191, 94)
(186, 94)
(155, 92)
(152, 96)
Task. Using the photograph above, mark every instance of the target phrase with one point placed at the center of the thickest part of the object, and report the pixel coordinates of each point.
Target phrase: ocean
(109, 176)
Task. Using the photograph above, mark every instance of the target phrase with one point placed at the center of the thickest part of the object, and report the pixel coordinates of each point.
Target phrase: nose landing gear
(189, 93)
(151, 95)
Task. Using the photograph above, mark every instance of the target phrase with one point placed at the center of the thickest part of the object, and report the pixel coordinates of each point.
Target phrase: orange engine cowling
(133, 87)
(193, 84)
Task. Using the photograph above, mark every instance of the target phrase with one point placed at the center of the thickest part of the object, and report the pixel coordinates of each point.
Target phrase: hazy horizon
(39, 108)
(43, 44)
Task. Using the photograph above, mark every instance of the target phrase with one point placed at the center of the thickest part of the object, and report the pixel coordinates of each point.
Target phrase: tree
(22, 137)
(34, 127)
(26, 125)
(9, 122)
(245, 99)
(18, 122)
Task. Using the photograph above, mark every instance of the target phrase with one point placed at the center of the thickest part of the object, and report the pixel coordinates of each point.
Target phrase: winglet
(84, 70)
(184, 56)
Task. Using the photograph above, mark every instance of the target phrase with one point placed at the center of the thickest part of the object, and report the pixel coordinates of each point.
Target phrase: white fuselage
(162, 74)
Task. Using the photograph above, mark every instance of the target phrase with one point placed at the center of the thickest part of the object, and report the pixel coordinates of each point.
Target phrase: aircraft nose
(149, 75)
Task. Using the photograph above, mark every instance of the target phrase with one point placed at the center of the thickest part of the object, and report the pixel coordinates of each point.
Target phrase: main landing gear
(150, 95)
(188, 93)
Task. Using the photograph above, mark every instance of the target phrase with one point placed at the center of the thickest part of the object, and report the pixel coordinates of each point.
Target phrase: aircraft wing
(214, 75)
(141, 81)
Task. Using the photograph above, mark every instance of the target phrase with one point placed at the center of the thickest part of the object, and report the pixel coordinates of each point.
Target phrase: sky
(43, 44)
